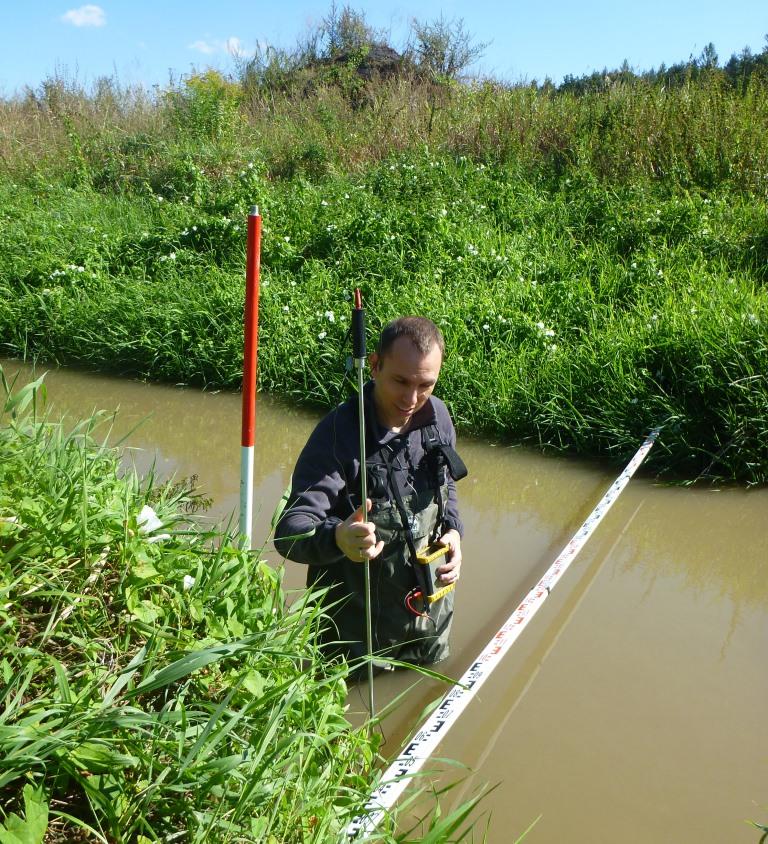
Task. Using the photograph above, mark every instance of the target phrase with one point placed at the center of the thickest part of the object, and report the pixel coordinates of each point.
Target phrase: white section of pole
(246, 497)
(426, 739)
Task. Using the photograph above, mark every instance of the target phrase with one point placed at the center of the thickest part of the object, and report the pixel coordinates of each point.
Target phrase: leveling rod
(397, 777)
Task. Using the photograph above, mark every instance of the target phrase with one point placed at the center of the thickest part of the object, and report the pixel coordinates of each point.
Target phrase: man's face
(404, 380)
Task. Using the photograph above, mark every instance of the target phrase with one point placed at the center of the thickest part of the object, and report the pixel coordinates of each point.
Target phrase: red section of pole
(250, 351)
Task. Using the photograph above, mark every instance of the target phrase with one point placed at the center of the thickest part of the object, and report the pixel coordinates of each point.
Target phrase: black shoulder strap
(430, 440)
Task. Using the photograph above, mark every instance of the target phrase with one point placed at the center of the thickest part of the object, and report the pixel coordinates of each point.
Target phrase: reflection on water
(632, 708)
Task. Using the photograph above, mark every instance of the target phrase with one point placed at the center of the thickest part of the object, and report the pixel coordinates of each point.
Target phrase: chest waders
(408, 520)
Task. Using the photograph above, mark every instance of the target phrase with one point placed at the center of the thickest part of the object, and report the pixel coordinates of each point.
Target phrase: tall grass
(577, 314)
(695, 136)
(153, 684)
(598, 262)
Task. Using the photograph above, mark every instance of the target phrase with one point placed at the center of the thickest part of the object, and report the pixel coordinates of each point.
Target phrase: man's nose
(411, 395)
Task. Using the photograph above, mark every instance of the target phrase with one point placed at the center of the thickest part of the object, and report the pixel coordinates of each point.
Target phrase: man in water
(412, 468)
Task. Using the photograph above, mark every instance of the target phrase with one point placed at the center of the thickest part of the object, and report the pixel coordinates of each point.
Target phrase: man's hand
(449, 571)
(356, 538)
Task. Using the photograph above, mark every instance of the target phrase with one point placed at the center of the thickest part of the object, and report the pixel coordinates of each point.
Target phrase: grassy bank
(153, 684)
(597, 263)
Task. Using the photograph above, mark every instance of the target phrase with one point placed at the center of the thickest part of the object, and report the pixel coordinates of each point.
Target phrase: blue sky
(145, 41)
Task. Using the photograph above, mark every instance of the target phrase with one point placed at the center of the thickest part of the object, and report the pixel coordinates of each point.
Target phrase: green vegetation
(596, 257)
(152, 681)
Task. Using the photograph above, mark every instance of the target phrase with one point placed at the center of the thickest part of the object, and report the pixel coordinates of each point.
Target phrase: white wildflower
(286, 309)
(330, 316)
(322, 335)
(188, 582)
(147, 522)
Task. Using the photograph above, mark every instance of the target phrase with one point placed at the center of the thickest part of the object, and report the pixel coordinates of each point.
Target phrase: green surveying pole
(358, 353)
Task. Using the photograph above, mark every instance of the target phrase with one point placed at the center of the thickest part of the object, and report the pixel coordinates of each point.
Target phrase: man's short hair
(422, 332)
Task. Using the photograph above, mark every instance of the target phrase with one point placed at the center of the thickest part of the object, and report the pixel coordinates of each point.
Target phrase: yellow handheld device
(432, 552)
(431, 557)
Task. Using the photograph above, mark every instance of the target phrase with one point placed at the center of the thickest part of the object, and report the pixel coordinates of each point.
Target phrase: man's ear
(373, 362)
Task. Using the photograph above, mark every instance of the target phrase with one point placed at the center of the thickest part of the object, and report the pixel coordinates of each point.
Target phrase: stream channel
(632, 708)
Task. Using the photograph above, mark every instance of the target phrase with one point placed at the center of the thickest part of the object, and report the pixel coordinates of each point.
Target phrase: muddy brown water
(633, 707)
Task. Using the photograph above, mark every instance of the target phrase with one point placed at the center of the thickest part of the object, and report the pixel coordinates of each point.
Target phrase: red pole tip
(358, 299)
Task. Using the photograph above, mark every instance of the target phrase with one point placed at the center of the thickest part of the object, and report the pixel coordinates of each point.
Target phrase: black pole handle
(358, 327)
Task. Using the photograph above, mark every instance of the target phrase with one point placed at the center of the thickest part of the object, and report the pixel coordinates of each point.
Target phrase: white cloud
(85, 16)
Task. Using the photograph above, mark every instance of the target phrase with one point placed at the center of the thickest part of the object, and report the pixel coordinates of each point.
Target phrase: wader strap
(418, 568)
(434, 451)
(430, 441)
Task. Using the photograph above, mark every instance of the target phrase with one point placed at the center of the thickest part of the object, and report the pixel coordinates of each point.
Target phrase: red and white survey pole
(250, 359)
